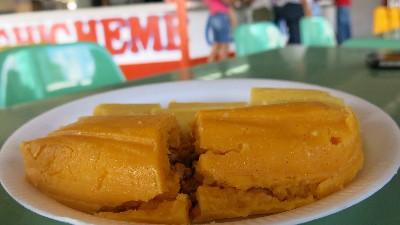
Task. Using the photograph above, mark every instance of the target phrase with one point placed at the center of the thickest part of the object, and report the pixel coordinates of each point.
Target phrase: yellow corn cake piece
(183, 111)
(125, 109)
(158, 211)
(267, 96)
(186, 111)
(289, 150)
(196, 106)
(105, 161)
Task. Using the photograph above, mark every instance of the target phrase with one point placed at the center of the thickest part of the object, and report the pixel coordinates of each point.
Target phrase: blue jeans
(221, 27)
(291, 13)
(343, 23)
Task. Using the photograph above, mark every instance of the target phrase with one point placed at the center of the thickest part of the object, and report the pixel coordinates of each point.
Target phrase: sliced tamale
(125, 109)
(104, 161)
(287, 148)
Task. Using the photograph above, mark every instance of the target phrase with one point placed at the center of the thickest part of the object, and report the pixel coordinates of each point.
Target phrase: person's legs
(214, 53)
(279, 20)
(277, 12)
(343, 23)
(221, 27)
(292, 14)
(224, 51)
(215, 25)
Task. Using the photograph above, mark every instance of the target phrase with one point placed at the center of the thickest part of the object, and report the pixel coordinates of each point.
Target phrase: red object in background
(144, 70)
(183, 32)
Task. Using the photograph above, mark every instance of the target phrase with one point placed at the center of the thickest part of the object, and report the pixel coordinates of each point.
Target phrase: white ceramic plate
(380, 134)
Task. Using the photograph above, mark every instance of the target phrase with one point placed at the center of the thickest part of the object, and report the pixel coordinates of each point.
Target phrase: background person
(291, 12)
(221, 21)
(343, 21)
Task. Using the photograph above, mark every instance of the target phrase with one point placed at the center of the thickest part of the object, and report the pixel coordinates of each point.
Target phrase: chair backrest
(34, 72)
(317, 31)
(255, 37)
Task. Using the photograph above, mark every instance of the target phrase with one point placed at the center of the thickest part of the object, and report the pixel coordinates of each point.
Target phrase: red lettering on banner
(111, 35)
(28, 32)
(91, 35)
(152, 30)
(3, 34)
(42, 34)
(143, 36)
(172, 31)
(56, 28)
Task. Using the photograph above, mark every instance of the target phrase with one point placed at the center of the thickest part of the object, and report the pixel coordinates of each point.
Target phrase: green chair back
(35, 72)
(255, 37)
(317, 31)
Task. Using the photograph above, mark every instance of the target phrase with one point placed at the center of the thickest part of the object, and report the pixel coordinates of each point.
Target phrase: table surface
(339, 68)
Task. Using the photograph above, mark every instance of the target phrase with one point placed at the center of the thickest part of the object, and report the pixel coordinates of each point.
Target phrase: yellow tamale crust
(104, 161)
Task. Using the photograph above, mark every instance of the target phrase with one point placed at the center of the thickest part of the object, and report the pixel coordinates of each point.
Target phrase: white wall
(362, 16)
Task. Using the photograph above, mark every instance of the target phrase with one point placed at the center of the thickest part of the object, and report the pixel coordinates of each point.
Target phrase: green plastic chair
(35, 72)
(317, 31)
(255, 37)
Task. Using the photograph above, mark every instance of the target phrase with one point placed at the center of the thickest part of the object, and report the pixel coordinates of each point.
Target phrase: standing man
(343, 20)
(291, 12)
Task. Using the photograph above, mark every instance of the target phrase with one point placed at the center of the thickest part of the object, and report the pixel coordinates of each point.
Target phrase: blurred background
(362, 10)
